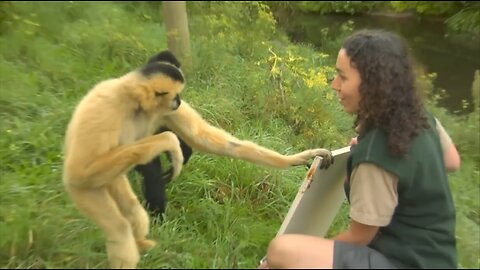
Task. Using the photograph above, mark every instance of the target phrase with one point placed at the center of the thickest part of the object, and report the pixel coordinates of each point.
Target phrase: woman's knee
(281, 251)
(300, 251)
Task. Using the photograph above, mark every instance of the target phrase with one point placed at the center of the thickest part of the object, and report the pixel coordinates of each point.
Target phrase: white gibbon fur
(111, 131)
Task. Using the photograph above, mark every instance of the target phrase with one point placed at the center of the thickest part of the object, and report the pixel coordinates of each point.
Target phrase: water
(454, 60)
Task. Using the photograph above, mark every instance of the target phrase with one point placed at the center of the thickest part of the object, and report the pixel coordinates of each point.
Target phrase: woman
(401, 208)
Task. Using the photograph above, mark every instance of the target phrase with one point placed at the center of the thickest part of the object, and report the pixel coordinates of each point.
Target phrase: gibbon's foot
(145, 244)
(123, 254)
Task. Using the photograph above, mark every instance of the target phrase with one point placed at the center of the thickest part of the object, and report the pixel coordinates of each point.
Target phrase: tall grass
(222, 212)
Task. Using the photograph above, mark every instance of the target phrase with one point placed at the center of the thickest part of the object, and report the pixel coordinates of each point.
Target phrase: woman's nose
(334, 84)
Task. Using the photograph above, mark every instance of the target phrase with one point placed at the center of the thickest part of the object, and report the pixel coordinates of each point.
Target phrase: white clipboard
(318, 199)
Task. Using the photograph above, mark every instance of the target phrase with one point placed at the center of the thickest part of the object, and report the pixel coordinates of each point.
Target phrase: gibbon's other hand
(177, 162)
(174, 151)
(305, 156)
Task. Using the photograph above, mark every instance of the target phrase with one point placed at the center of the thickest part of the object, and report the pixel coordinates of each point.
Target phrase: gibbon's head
(162, 83)
(165, 56)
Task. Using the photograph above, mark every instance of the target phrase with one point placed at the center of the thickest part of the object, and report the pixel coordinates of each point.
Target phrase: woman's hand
(353, 141)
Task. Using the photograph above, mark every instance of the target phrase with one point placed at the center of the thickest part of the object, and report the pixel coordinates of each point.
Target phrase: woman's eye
(159, 94)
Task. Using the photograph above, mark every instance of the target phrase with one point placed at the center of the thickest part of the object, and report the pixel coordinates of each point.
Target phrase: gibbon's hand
(169, 142)
(175, 154)
(302, 158)
(177, 162)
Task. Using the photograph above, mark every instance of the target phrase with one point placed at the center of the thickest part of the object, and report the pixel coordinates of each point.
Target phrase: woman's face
(347, 83)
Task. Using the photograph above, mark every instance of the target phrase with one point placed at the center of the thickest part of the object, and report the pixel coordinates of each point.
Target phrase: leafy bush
(348, 7)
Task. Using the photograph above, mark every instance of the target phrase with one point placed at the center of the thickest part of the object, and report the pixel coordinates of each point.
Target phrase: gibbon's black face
(164, 83)
(166, 91)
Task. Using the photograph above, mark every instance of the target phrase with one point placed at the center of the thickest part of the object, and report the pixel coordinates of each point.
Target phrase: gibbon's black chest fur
(155, 180)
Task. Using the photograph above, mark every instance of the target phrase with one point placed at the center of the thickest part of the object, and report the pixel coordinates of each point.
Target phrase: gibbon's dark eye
(159, 94)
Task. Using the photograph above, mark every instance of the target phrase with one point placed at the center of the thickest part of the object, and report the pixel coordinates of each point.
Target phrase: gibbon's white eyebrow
(163, 68)
(170, 64)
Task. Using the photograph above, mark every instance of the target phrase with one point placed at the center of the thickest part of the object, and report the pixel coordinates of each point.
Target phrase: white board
(319, 198)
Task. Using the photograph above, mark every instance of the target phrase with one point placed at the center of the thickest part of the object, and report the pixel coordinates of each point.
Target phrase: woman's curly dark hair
(389, 98)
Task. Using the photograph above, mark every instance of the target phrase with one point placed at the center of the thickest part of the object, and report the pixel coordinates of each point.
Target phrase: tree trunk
(178, 35)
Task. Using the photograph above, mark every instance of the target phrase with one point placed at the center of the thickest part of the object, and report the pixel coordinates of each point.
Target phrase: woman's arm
(450, 152)
(373, 200)
(358, 233)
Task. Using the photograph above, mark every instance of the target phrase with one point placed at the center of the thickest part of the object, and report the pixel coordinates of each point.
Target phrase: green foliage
(465, 183)
(426, 7)
(462, 16)
(466, 20)
(476, 89)
(464, 128)
(302, 96)
(347, 7)
(223, 20)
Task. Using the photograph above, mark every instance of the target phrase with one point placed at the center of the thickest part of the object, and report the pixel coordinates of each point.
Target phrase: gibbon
(112, 130)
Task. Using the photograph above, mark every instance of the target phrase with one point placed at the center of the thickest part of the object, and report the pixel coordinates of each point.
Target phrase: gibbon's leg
(154, 186)
(99, 206)
(120, 159)
(202, 136)
(155, 180)
(132, 210)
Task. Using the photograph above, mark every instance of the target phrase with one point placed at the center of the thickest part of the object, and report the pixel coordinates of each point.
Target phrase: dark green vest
(422, 231)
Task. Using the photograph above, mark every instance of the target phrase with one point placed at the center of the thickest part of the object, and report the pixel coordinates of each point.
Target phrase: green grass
(222, 213)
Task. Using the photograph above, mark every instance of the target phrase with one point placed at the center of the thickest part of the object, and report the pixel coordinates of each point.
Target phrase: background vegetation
(248, 79)
(460, 16)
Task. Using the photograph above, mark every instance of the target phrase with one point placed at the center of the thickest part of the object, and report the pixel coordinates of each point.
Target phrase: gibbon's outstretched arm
(201, 136)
